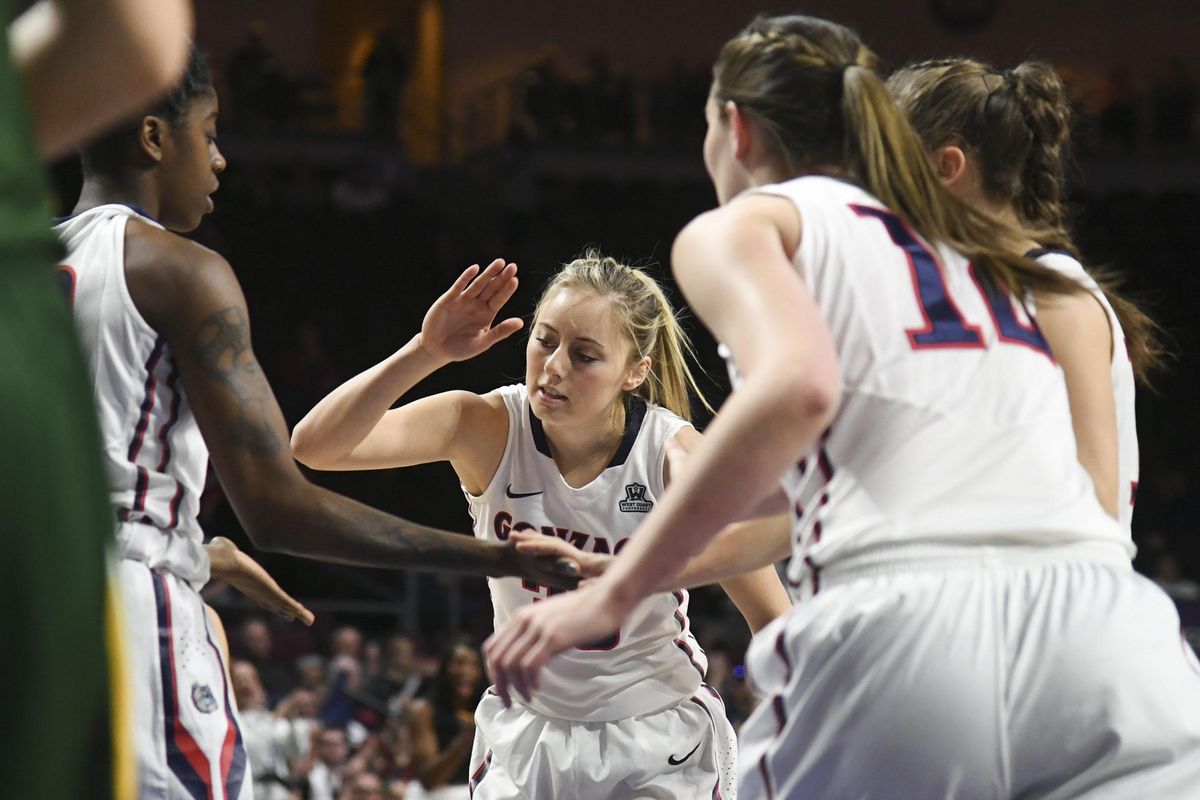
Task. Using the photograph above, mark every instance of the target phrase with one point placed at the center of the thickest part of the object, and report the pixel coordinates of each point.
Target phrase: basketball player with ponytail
(576, 452)
(968, 624)
(998, 140)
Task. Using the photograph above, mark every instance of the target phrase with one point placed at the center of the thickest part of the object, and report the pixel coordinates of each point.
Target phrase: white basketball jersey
(154, 455)
(1124, 386)
(954, 426)
(654, 661)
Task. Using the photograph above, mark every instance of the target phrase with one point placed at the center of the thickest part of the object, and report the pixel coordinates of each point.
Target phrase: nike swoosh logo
(515, 495)
(675, 763)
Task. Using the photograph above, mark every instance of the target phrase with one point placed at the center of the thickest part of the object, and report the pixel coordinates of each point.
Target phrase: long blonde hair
(815, 88)
(1017, 123)
(647, 319)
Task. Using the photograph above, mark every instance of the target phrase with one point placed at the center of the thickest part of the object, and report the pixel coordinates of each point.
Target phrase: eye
(544, 342)
(585, 358)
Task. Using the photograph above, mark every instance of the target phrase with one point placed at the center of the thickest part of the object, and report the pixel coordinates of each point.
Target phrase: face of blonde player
(728, 177)
(578, 361)
(190, 165)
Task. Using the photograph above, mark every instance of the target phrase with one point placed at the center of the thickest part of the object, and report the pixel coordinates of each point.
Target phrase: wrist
(419, 352)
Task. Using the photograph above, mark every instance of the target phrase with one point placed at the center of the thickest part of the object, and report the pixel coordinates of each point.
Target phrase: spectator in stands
(346, 641)
(363, 786)
(272, 739)
(401, 681)
(255, 640)
(384, 75)
(443, 724)
(330, 752)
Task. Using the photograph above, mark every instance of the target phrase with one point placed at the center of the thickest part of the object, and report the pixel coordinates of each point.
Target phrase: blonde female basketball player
(970, 624)
(576, 452)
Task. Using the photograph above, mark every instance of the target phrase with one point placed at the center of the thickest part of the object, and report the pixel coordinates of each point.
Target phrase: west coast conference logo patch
(635, 499)
(203, 699)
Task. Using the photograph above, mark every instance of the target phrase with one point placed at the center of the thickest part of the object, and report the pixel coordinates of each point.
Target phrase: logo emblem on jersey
(203, 698)
(675, 762)
(635, 498)
(517, 495)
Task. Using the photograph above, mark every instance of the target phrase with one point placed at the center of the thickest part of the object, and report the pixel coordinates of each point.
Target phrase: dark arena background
(377, 148)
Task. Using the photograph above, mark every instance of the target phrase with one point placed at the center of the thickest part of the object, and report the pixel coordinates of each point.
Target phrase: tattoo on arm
(221, 346)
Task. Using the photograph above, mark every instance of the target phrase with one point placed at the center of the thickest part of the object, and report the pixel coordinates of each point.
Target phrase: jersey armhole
(122, 224)
(509, 399)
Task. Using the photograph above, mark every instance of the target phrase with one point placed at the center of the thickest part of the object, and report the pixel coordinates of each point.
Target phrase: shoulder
(749, 216)
(166, 272)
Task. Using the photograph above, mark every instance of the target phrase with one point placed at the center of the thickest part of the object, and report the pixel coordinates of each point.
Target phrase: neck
(103, 190)
(1007, 214)
(577, 446)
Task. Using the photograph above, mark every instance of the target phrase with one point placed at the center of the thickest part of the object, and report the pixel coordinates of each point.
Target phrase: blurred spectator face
(331, 747)
(311, 672)
(364, 786)
(401, 654)
(247, 687)
(372, 657)
(350, 666)
(256, 638)
(464, 670)
(347, 641)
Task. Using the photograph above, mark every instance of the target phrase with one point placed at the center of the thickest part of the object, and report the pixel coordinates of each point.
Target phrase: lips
(549, 394)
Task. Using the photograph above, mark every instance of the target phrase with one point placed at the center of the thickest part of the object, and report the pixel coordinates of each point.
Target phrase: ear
(950, 163)
(739, 130)
(151, 134)
(637, 374)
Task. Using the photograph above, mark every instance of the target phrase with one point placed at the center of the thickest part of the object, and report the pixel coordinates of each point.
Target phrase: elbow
(307, 450)
(810, 397)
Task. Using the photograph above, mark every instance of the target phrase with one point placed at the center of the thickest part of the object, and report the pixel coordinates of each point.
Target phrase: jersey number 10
(944, 323)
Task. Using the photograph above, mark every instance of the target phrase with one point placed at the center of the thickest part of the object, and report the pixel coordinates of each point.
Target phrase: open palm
(459, 325)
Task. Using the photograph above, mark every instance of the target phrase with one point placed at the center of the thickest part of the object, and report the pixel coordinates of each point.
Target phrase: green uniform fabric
(55, 520)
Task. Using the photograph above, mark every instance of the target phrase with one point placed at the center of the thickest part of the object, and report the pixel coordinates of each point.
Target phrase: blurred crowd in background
(341, 243)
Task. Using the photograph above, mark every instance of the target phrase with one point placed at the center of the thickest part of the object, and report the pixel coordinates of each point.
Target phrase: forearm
(343, 419)
(762, 429)
(759, 596)
(86, 64)
(740, 548)
(311, 522)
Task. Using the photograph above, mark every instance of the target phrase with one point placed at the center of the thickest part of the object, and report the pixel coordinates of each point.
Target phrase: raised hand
(587, 565)
(459, 325)
(231, 565)
(517, 652)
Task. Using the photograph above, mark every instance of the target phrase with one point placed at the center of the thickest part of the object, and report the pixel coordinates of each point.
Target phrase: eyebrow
(579, 338)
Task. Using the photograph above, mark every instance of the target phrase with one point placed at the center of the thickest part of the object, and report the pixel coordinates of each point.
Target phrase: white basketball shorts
(186, 729)
(1031, 673)
(686, 751)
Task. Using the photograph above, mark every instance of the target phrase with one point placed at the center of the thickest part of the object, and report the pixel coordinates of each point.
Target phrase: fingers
(538, 544)
(481, 286)
(462, 280)
(515, 657)
(504, 330)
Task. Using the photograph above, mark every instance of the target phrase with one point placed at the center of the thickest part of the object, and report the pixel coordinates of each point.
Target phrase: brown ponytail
(815, 88)
(1017, 125)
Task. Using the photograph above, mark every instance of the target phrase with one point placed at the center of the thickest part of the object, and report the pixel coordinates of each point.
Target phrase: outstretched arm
(353, 428)
(734, 267)
(190, 295)
(86, 64)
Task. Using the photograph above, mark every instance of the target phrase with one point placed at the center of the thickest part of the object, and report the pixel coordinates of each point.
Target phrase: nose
(556, 363)
(218, 162)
